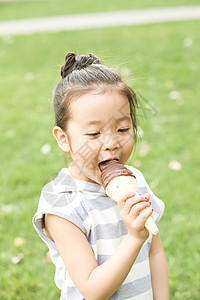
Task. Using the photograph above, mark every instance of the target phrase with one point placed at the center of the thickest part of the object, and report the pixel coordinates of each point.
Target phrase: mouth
(103, 161)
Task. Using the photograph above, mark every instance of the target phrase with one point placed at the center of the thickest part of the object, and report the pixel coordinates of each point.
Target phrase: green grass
(30, 9)
(156, 57)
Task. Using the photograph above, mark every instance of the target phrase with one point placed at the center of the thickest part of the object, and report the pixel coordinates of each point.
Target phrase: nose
(110, 143)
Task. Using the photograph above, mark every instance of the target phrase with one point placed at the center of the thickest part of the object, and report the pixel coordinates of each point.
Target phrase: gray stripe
(64, 198)
(102, 259)
(126, 291)
(132, 289)
(142, 256)
(92, 187)
(80, 213)
(66, 180)
(107, 232)
(100, 202)
(59, 199)
(63, 179)
(149, 245)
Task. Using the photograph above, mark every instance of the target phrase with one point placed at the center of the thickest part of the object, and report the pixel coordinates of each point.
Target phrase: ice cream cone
(119, 187)
(119, 182)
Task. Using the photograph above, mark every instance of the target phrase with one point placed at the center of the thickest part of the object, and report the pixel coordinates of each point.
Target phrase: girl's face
(100, 128)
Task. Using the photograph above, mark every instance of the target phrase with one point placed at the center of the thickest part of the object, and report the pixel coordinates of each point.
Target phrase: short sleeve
(65, 204)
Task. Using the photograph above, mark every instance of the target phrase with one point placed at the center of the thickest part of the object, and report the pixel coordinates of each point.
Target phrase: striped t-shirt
(86, 205)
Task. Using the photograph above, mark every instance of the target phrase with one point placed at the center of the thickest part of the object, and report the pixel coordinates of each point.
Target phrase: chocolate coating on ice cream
(111, 169)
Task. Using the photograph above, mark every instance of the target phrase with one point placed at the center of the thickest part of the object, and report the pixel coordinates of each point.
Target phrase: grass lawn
(164, 62)
(30, 9)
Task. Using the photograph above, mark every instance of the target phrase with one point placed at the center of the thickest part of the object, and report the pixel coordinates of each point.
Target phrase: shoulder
(60, 198)
(59, 193)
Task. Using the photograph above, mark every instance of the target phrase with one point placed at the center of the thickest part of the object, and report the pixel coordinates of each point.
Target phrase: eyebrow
(96, 122)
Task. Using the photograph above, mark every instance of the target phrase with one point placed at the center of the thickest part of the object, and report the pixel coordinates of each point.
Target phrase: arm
(159, 274)
(93, 281)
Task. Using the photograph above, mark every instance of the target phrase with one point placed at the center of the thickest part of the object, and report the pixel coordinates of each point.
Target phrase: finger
(143, 216)
(129, 195)
(129, 200)
(146, 197)
(138, 198)
(132, 202)
(122, 202)
(127, 206)
(138, 208)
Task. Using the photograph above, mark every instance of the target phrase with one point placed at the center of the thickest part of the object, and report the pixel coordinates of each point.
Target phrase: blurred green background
(30, 9)
(161, 63)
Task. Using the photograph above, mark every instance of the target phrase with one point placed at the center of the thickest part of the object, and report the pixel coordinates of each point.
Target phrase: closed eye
(93, 134)
(123, 129)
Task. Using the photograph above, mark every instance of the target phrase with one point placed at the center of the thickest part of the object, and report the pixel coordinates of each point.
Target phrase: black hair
(82, 74)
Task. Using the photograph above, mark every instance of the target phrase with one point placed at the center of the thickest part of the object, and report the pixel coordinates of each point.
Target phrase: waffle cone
(151, 225)
(119, 187)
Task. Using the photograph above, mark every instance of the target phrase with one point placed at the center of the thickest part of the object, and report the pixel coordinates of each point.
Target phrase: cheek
(94, 146)
(85, 150)
(128, 146)
(127, 140)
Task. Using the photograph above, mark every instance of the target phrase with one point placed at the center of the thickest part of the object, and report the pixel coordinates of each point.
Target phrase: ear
(61, 138)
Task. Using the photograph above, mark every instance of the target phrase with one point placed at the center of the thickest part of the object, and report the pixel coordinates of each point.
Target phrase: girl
(101, 249)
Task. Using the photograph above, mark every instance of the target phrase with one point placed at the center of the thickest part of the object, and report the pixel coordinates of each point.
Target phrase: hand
(134, 214)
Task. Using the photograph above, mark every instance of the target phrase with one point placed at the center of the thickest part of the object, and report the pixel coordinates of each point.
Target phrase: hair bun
(77, 62)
